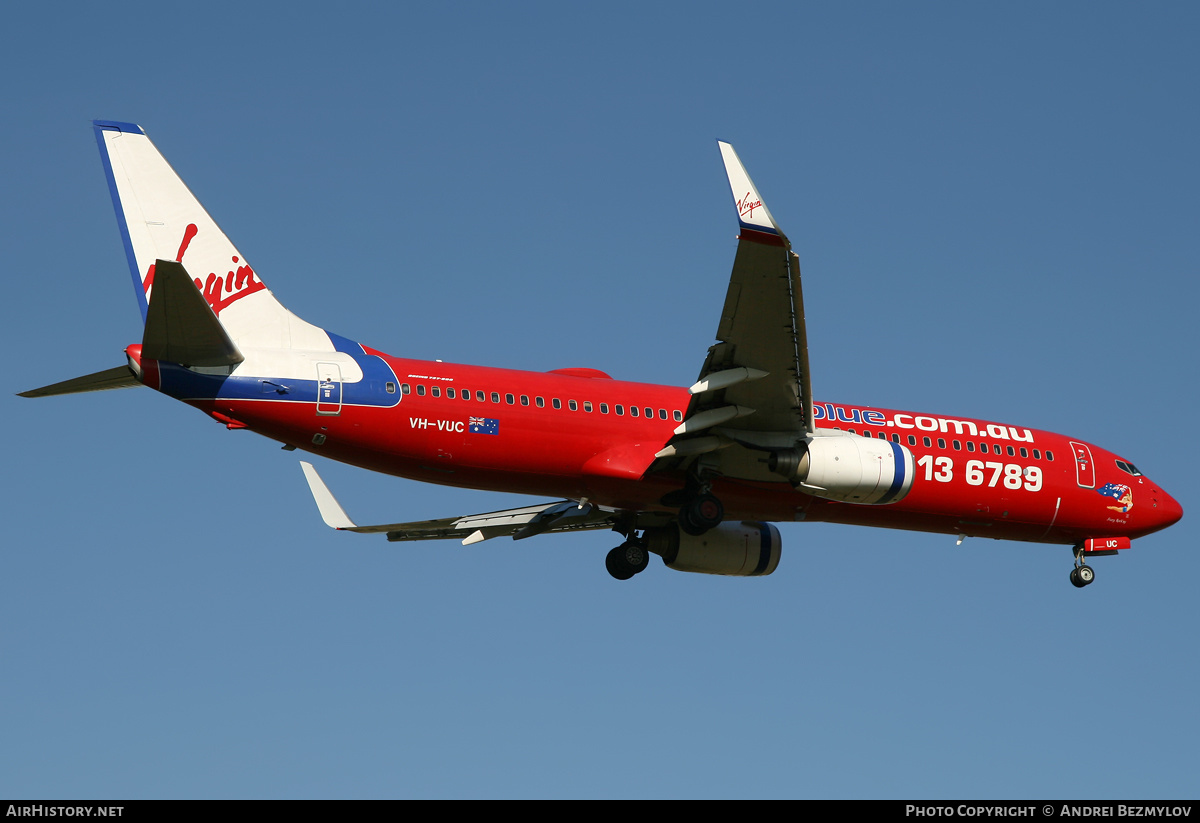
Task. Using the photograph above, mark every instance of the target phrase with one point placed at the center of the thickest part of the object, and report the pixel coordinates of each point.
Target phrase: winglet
(331, 511)
(752, 212)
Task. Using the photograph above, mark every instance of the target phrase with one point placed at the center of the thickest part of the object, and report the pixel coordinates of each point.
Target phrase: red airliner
(695, 475)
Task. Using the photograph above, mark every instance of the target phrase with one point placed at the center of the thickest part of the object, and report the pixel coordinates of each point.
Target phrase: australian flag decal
(1119, 492)
(483, 425)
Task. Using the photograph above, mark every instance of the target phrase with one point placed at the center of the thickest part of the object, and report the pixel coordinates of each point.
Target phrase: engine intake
(744, 549)
(847, 467)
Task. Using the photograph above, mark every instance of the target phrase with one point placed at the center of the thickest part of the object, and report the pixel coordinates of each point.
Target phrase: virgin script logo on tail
(218, 291)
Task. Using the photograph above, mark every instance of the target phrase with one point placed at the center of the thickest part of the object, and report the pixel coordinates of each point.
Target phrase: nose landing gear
(1082, 575)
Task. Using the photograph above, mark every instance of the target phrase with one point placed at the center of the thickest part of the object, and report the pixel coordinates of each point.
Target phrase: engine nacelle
(744, 549)
(846, 467)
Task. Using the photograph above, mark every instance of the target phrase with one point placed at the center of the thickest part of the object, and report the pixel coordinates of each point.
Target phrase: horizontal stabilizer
(180, 326)
(116, 378)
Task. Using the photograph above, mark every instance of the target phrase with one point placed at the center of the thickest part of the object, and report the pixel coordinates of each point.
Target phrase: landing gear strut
(627, 559)
(701, 513)
(1082, 574)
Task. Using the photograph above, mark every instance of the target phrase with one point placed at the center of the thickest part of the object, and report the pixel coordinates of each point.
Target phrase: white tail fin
(160, 218)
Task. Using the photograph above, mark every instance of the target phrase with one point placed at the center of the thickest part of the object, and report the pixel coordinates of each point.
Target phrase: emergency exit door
(329, 389)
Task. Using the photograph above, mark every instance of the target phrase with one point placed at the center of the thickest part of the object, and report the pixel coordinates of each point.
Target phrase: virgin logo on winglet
(218, 291)
(746, 206)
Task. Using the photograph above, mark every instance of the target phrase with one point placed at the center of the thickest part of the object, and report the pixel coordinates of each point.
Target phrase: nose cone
(1166, 510)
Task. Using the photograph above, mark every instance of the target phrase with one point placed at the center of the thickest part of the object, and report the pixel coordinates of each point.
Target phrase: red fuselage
(579, 434)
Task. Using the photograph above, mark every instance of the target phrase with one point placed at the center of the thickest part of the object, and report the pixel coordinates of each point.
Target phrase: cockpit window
(1128, 468)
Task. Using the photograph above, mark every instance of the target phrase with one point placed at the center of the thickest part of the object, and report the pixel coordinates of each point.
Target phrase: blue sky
(995, 210)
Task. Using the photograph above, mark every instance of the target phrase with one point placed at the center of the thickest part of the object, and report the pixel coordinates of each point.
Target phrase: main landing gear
(699, 509)
(700, 513)
(628, 559)
(1082, 575)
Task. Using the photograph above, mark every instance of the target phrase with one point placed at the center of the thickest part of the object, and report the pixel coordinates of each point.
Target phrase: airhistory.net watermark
(41, 810)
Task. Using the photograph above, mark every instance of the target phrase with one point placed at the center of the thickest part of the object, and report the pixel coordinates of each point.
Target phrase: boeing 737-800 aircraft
(695, 475)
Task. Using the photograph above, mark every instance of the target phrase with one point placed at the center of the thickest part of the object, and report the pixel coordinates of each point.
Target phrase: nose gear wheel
(1082, 575)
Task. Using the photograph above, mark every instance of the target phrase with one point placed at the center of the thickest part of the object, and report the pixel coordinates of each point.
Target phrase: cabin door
(1085, 470)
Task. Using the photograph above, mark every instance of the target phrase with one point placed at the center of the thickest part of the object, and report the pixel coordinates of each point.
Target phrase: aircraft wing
(543, 518)
(754, 388)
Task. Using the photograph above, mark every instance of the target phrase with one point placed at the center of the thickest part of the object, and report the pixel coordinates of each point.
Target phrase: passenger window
(390, 387)
(405, 388)
(450, 393)
(524, 400)
(958, 445)
(912, 439)
(436, 391)
(466, 394)
(479, 395)
(895, 438)
(883, 435)
(540, 402)
(509, 399)
(421, 389)
(556, 403)
(927, 442)
(619, 409)
(495, 397)
(587, 405)
(633, 411)
(970, 446)
(866, 432)
(662, 414)
(941, 442)
(649, 412)
(1037, 455)
(678, 415)
(1024, 452)
(572, 405)
(1049, 454)
(604, 408)
(1011, 452)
